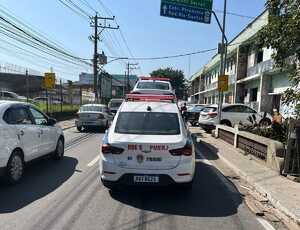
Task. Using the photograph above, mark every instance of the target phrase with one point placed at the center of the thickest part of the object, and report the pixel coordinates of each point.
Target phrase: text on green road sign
(202, 4)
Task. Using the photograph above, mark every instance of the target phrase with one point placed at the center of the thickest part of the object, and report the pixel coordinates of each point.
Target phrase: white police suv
(26, 134)
(153, 85)
(147, 144)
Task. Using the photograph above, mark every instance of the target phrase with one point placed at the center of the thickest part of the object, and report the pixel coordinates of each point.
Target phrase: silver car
(93, 115)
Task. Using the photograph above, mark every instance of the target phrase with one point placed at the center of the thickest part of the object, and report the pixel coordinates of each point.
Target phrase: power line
(86, 3)
(32, 44)
(169, 57)
(237, 15)
(79, 8)
(26, 52)
(42, 42)
(35, 31)
(72, 9)
(110, 13)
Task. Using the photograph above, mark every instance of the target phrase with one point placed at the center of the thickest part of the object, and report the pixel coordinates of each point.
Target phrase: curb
(276, 203)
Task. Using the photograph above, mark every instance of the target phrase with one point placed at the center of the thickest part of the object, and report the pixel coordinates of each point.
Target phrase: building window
(260, 56)
(253, 94)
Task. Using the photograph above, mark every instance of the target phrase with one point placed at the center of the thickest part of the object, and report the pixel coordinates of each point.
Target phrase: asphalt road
(69, 195)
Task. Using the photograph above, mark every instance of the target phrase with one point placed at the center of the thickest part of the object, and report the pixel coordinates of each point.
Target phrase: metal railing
(260, 68)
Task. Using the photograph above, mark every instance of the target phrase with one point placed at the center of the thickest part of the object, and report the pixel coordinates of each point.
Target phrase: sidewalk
(283, 194)
(67, 124)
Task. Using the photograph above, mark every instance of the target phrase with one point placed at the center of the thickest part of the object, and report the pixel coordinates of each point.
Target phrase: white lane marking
(93, 162)
(265, 224)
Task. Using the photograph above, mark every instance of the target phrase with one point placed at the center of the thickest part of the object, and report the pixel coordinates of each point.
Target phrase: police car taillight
(187, 150)
(109, 149)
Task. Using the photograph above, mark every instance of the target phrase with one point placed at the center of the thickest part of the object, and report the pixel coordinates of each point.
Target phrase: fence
(65, 97)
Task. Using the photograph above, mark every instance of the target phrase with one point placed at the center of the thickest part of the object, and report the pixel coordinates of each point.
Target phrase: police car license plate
(145, 179)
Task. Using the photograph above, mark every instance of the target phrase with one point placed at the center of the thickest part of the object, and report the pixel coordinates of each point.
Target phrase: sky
(145, 32)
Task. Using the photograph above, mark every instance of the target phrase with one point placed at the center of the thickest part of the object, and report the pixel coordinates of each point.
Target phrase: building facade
(253, 78)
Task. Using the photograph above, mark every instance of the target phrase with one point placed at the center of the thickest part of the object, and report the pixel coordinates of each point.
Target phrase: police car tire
(79, 128)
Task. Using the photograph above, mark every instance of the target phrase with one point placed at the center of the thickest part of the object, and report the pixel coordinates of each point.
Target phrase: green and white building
(253, 78)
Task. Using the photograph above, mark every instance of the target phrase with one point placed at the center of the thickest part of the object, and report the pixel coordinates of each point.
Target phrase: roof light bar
(150, 97)
(155, 78)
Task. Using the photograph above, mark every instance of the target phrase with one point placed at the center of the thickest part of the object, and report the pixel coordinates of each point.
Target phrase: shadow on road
(207, 150)
(41, 178)
(94, 130)
(208, 198)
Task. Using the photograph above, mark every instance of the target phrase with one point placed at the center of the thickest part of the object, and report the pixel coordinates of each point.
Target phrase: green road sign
(192, 10)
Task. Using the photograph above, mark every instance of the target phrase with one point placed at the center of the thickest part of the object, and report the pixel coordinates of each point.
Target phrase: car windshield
(115, 104)
(153, 85)
(196, 108)
(209, 109)
(91, 108)
(148, 123)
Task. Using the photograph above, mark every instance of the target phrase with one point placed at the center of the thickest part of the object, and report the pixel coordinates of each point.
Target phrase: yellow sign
(49, 80)
(223, 83)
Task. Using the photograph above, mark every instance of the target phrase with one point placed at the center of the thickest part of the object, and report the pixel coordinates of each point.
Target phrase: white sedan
(93, 115)
(147, 144)
(231, 114)
(26, 134)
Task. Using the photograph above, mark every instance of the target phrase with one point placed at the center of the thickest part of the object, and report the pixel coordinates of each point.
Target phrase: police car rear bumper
(111, 173)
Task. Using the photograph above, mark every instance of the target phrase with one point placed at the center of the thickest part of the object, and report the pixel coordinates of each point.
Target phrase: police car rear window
(153, 85)
(148, 123)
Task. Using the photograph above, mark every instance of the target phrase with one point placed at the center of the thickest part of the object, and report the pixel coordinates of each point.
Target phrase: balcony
(260, 68)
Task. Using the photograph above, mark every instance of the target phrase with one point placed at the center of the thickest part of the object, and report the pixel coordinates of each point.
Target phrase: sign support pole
(223, 58)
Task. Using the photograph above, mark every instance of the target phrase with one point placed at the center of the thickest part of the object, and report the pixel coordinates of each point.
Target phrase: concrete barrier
(269, 151)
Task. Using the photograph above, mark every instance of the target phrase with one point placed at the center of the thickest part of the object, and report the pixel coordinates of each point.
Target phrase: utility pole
(61, 95)
(130, 66)
(223, 60)
(95, 38)
(27, 86)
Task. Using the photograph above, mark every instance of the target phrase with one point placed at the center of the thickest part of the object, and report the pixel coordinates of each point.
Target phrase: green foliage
(275, 132)
(176, 78)
(283, 34)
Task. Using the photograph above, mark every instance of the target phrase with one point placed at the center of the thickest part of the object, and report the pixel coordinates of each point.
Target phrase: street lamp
(116, 59)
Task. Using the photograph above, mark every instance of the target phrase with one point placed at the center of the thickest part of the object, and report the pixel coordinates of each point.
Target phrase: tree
(283, 35)
(176, 77)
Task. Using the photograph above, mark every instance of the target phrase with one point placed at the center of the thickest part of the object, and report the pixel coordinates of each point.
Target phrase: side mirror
(51, 122)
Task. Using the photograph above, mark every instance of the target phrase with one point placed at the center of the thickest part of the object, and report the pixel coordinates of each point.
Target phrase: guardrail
(269, 151)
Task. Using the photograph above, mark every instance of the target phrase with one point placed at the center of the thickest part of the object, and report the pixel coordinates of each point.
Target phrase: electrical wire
(110, 13)
(42, 42)
(86, 3)
(79, 8)
(32, 44)
(74, 11)
(169, 57)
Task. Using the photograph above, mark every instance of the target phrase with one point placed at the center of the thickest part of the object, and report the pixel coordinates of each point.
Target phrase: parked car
(147, 144)
(93, 115)
(193, 113)
(6, 95)
(114, 105)
(231, 114)
(26, 134)
(153, 85)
